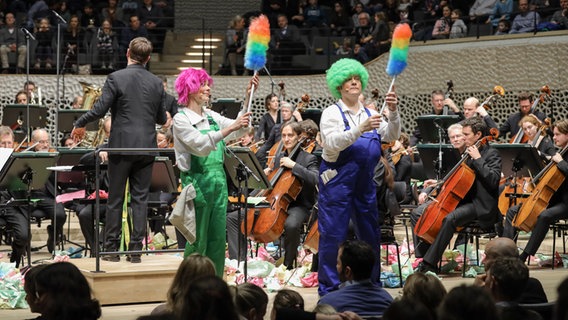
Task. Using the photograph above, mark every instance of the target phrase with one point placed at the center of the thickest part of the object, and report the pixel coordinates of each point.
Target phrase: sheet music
(61, 168)
(4, 156)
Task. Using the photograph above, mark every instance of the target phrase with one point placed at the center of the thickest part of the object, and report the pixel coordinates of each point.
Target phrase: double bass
(520, 136)
(547, 183)
(267, 224)
(456, 185)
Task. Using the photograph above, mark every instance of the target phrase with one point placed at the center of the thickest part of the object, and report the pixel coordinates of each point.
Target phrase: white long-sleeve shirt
(188, 140)
(334, 137)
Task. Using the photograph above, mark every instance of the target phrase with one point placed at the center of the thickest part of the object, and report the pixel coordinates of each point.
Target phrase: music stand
(429, 130)
(518, 160)
(163, 176)
(71, 157)
(18, 112)
(312, 113)
(429, 155)
(227, 107)
(66, 119)
(27, 171)
(245, 171)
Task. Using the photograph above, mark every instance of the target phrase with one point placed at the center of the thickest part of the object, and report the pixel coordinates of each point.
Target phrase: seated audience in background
(250, 300)
(106, 43)
(209, 298)
(425, 289)
(501, 11)
(346, 48)
(506, 281)
(12, 39)
(63, 293)
(44, 49)
(458, 29)
(357, 293)
(442, 27)
(504, 27)
(191, 268)
(526, 20)
(468, 303)
(235, 42)
(560, 17)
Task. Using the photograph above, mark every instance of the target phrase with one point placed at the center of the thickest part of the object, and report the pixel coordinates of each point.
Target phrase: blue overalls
(351, 194)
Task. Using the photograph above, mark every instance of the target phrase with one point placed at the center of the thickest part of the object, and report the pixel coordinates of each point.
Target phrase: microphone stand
(28, 36)
(440, 153)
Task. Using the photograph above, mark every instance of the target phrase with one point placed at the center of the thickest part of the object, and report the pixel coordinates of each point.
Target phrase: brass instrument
(498, 92)
(91, 94)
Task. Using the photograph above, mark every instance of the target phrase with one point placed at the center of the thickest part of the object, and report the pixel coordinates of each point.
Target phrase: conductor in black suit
(135, 99)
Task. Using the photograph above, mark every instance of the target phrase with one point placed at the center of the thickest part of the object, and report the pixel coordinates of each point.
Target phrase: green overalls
(208, 178)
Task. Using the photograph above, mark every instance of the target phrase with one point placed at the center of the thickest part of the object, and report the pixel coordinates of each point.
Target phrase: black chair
(545, 310)
(559, 228)
(473, 231)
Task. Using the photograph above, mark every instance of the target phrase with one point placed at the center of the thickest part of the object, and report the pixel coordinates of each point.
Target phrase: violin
(520, 136)
(304, 102)
(547, 183)
(267, 224)
(455, 186)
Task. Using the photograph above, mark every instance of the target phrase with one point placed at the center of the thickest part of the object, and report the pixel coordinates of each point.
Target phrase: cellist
(455, 134)
(558, 206)
(512, 125)
(480, 202)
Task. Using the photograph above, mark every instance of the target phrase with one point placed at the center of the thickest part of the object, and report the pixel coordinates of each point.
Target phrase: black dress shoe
(111, 258)
(426, 267)
(50, 242)
(134, 258)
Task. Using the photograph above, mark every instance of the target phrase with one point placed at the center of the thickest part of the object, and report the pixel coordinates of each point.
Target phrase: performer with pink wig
(199, 143)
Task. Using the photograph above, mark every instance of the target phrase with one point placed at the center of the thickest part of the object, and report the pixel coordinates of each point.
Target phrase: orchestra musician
(480, 202)
(14, 220)
(304, 166)
(402, 164)
(511, 125)
(351, 139)
(558, 205)
(135, 98)
(288, 113)
(21, 97)
(270, 118)
(45, 208)
(438, 102)
(199, 145)
(457, 139)
(472, 108)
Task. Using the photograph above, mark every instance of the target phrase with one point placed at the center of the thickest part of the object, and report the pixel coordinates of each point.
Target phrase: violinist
(457, 139)
(351, 139)
(45, 207)
(480, 203)
(199, 143)
(14, 220)
(402, 164)
(270, 118)
(558, 205)
(512, 125)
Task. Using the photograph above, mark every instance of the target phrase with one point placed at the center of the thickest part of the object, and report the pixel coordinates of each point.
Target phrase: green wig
(343, 70)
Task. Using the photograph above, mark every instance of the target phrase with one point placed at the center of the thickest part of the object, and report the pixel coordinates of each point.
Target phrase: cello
(547, 183)
(520, 136)
(267, 224)
(456, 185)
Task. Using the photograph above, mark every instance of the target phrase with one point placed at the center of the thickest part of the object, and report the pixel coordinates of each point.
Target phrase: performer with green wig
(351, 136)
(199, 144)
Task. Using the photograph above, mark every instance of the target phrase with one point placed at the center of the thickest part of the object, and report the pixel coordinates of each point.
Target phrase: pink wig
(189, 81)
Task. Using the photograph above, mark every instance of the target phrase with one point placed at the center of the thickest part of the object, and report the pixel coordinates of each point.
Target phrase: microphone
(28, 33)
(58, 16)
(438, 123)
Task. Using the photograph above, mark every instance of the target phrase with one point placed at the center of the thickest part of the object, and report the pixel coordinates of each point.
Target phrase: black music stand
(312, 113)
(66, 119)
(227, 107)
(518, 160)
(429, 155)
(18, 112)
(428, 126)
(71, 157)
(27, 171)
(245, 171)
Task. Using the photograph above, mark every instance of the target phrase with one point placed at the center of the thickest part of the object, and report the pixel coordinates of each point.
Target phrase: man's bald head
(497, 248)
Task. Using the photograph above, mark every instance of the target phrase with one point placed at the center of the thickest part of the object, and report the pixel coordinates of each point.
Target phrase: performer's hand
(480, 280)
(452, 105)
(422, 197)
(242, 121)
(481, 111)
(104, 156)
(370, 123)
(296, 114)
(391, 100)
(255, 80)
(287, 162)
(557, 158)
(78, 134)
(473, 152)
(430, 182)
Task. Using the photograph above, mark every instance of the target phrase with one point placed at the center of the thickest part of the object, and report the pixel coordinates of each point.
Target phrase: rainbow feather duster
(257, 43)
(399, 49)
